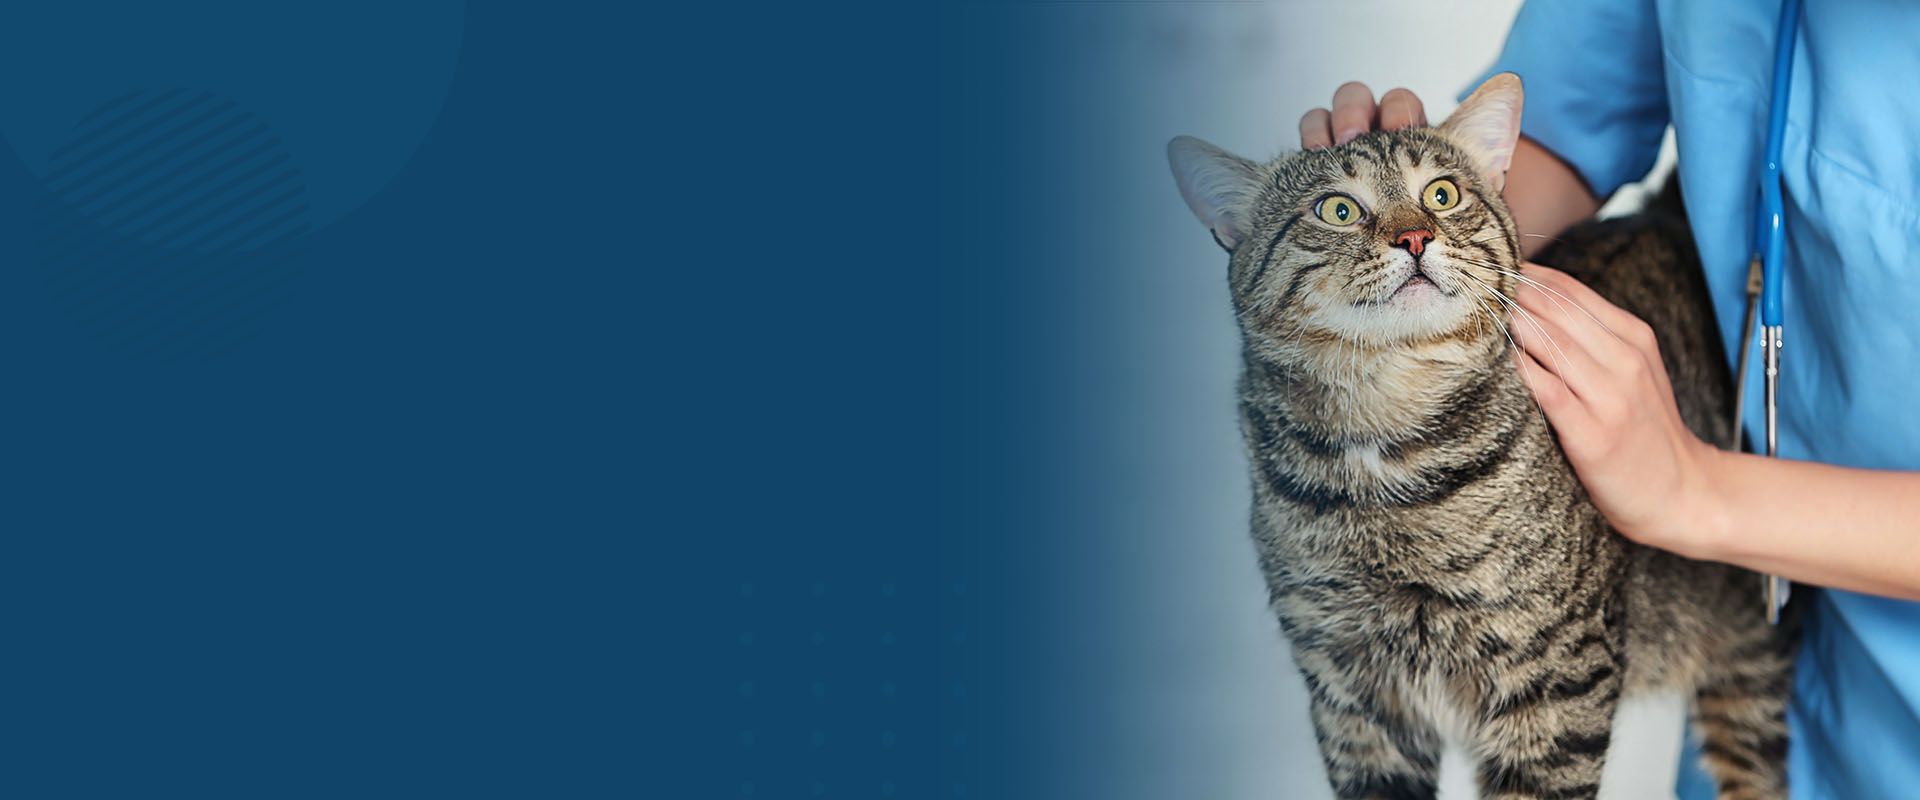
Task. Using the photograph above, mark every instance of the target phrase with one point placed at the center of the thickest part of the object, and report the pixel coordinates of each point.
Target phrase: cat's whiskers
(1552, 294)
(1524, 369)
(1560, 300)
(1554, 239)
(1560, 356)
(1498, 236)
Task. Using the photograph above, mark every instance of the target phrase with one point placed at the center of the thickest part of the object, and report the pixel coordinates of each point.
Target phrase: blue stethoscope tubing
(1764, 272)
(1772, 225)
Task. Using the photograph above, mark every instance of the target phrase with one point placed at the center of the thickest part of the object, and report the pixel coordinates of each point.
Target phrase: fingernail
(1348, 135)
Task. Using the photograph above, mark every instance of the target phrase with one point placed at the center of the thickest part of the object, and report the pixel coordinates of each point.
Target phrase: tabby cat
(1435, 564)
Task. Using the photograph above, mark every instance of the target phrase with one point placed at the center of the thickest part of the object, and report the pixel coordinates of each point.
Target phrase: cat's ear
(1219, 186)
(1488, 125)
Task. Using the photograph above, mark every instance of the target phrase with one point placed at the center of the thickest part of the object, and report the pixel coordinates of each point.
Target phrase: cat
(1436, 567)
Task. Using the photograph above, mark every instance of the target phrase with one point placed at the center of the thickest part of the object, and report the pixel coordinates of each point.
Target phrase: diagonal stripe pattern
(174, 222)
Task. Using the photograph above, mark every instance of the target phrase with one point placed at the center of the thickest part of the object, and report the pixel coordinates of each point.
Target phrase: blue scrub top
(1603, 80)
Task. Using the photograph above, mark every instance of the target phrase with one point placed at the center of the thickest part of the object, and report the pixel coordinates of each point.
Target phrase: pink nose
(1413, 239)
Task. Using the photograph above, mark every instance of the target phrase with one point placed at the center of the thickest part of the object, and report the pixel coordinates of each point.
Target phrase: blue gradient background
(619, 432)
(658, 402)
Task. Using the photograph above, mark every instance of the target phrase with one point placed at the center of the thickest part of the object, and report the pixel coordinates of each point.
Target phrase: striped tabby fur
(1434, 563)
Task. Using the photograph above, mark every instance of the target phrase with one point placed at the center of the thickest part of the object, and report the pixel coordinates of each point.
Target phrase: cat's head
(1397, 239)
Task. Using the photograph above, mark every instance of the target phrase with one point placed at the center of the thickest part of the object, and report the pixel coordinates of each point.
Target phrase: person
(1841, 508)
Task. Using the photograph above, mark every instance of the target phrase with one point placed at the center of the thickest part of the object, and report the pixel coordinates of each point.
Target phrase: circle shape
(1338, 210)
(1440, 195)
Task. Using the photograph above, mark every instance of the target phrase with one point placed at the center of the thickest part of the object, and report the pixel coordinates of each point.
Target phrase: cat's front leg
(1546, 735)
(1372, 751)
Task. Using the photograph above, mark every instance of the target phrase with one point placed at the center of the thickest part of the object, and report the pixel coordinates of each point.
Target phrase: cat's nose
(1413, 240)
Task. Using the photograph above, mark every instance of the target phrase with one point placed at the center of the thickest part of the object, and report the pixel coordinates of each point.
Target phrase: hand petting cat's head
(1397, 239)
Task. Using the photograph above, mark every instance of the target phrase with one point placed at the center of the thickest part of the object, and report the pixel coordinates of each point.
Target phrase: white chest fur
(1641, 763)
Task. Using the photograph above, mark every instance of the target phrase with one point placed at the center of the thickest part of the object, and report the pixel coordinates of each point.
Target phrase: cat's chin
(1419, 311)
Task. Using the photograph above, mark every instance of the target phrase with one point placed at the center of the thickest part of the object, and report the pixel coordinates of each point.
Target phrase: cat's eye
(1441, 195)
(1338, 209)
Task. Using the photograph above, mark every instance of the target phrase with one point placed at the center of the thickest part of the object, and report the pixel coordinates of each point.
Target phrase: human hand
(1355, 113)
(1596, 371)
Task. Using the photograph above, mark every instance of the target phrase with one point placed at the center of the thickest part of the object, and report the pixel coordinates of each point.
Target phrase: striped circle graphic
(174, 224)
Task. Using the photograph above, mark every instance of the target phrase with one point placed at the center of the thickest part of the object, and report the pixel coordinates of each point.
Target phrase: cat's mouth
(1417, 288)
(1403, 302)
(1420, 284)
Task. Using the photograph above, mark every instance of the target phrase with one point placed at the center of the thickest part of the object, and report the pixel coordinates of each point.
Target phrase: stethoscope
(1764, 269)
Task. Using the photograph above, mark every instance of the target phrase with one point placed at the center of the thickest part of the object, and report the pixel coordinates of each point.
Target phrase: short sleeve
(1595, 85)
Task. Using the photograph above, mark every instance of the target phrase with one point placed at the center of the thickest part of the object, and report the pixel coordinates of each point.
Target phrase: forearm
(1851, 529)
(1545, 195)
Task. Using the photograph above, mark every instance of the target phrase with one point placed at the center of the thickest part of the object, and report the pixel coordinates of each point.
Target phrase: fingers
(1565, 411)
(1612, 333)
(1539, 332)
(1573, 291)
(1316, 129)
(1568, 329)
(1353, 111)
(1400, 108)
